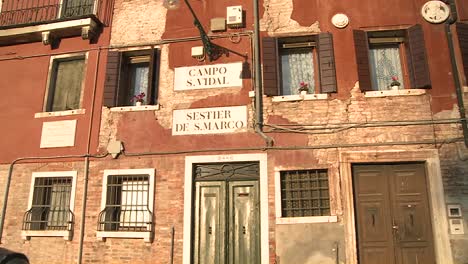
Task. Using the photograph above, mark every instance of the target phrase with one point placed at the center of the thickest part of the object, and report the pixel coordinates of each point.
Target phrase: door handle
(395, 227)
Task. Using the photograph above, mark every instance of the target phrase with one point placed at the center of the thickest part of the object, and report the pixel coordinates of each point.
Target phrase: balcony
(47, 20)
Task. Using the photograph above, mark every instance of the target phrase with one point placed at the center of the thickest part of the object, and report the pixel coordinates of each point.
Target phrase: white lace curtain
(297, 66)
(140, 80)
(385, 63)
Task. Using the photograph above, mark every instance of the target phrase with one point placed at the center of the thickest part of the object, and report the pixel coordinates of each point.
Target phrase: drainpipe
(86, 165)
(456, 78)
(258, 80)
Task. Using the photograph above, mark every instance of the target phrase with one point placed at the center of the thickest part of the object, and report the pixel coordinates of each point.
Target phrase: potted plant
(303, 88)
(395, 84)
(139, 98)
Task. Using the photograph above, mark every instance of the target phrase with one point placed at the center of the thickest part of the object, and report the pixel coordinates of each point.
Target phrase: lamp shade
(171, 4)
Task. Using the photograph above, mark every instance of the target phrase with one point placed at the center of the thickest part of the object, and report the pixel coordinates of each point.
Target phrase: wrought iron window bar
(50, 209)
(127, 204)
(304, 193)
(28, 12)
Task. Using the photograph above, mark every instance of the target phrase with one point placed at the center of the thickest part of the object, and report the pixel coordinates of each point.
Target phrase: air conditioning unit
(234, 18)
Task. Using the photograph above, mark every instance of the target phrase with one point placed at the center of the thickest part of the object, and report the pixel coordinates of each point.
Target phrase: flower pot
(395, 87)
(303, 92)
(138, 104)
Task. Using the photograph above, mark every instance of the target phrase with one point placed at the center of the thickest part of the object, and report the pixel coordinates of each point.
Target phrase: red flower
(139, 97)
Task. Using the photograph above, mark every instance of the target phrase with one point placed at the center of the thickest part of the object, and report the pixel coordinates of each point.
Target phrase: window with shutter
(65, 83)
(391, 59)
(462, 33)
(131, 78)
(295, 64)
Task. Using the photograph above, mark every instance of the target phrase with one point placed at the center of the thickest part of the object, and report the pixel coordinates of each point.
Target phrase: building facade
(274, 131)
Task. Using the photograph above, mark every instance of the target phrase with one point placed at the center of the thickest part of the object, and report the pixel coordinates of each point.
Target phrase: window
(75, 8)
(288, 62)
(65, 83)
(131, 74)
(386, 56)
(304, 193)
(51, 204)
(462, 33)
(127, 205)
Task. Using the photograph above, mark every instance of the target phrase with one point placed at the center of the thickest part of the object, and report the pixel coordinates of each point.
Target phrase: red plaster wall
(24, 71)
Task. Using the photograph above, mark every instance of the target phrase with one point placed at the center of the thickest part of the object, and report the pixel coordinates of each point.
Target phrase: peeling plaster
(138, 21)
(277, 19)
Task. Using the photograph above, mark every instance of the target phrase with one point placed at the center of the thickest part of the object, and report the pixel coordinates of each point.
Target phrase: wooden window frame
(403, 58)
(324, 62)
(52, 76)
(413, 55)
(117, 81)
(308, 44)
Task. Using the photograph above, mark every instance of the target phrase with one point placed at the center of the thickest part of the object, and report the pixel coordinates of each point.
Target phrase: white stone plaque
(209, 120)
(58, 134)
(209, 76)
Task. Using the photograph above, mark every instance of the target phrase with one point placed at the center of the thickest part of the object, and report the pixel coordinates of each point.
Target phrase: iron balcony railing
(33, 12)
(47, 218)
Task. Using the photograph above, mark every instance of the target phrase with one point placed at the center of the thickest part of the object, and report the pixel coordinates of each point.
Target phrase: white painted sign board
(58, 134)
(216, 120)
(209, 76)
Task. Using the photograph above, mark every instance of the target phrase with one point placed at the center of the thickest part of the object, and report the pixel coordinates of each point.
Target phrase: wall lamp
(212, 50)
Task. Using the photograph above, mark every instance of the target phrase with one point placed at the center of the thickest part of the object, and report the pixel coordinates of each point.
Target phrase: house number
(225, 158)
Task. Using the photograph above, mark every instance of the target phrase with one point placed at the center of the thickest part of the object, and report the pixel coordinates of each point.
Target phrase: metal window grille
(27, 12)
(127, 204)
(304, 193)
(50, 209)
(226, 171)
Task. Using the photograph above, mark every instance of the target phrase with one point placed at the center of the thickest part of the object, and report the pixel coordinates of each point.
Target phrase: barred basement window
(127, 206)
(304, 193)
(50, 208)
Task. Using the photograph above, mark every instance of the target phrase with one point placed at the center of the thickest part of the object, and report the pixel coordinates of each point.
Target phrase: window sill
(299, 97)
(306, 220)
(27, 234)
(60, 113)
(147, 236)
(402, 92)
(134, 108)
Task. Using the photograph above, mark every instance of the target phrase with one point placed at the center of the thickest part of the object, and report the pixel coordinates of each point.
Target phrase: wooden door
(226, 223)
(392, 214)
(244, 246)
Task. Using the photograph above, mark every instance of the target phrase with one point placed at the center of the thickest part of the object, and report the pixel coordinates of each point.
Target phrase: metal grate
(226, 171)
(50, 209)
(127, 204)
(25, 12)
(304, 193)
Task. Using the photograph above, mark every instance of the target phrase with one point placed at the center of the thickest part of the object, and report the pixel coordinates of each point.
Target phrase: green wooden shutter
(326, 63)
(112, 78)
(361, 46)
(462, 33)
(417, 59)
(270, 66)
